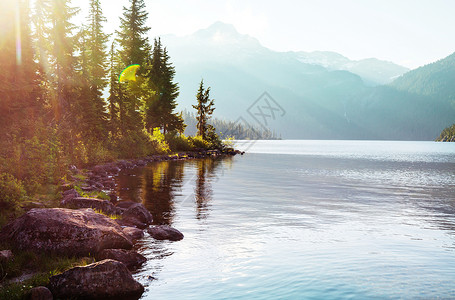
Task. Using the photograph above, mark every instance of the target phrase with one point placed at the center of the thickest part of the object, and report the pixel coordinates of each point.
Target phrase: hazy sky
(408, 32)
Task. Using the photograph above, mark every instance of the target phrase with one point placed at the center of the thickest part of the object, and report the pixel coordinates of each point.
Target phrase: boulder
(104, 205)
(107, 279)
(65, 231)
(133, 233)
(68, 195)
(130, 258)
(99, 170)
(165, 232)
(6, 255)
(139, 212)
(40, 293)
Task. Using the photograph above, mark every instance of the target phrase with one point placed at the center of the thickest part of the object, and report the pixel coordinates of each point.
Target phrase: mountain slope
(315, 102)
(373, 71)
(435, 80)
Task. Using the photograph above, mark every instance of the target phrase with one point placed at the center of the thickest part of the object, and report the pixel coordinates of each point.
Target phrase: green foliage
(204, 107)
(160, 104)
(159, 142)
(113, 217)
(447, 135)
(12, 192)
(178, 142)
(199, 142)
(43, 265)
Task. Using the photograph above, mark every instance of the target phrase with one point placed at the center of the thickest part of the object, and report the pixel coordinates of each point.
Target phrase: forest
(65, 100)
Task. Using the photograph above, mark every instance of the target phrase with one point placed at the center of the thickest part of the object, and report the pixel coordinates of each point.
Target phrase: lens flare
(129, 74)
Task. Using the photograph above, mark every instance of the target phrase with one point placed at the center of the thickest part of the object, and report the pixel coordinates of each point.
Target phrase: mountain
(435, 80)
(298, 98)
(373, 71)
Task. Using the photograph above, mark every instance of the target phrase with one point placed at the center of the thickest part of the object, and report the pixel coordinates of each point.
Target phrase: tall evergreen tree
(162, 103)
(134, 49)
(205, 107)
(62, 57)
(114, 92)
(94, 53)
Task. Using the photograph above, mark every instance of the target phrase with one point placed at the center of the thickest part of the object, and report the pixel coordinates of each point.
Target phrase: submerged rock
(130, 258)
(165, 232)
(65, 231)
(107, 279)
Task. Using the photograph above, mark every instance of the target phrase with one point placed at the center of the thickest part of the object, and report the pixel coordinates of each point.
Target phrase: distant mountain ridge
(321, 100)
(373, 71)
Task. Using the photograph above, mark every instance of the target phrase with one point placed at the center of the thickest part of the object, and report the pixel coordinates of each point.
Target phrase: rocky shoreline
(103, 229)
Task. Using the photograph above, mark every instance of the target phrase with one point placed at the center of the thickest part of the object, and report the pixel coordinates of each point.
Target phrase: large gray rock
(130, 258)
(65, 231)
(107, 279)
(98, 204)
(165, 232)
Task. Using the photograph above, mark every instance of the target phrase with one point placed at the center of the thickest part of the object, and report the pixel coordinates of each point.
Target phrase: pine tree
(114, 93)
(62, 55)
(205, 107)
(95, 70)
(132, 36)
(162, 103)
(134, 49)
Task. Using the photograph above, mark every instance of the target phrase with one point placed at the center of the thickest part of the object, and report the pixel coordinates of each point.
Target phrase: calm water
(303, 220)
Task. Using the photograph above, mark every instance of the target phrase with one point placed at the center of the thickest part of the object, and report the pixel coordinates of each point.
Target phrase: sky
(411, 33)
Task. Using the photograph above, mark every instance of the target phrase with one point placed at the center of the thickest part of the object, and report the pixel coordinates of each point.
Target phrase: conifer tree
(205, 107)
(162, 103)
(134, 49)
(62, 55)
(95, 71)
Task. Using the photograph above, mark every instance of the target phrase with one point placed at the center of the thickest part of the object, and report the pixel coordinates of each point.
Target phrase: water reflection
(206, 173)
(158, 184)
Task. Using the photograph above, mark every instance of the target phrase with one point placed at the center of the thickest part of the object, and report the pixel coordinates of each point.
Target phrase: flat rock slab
(107, 279)
(130, 258)
(165, 232)
(65, 232)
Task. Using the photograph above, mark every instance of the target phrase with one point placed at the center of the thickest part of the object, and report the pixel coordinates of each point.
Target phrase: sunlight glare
(18, 35)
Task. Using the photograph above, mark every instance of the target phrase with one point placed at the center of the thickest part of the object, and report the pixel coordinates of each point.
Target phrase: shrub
(178, 142)
(159, 144)
(12, 191)
(198, 142)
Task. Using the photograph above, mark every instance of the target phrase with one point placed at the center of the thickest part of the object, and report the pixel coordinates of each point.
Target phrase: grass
(113, 217)
(42, 266)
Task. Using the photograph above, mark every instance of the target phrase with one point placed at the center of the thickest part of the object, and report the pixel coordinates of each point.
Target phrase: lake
(302, 220)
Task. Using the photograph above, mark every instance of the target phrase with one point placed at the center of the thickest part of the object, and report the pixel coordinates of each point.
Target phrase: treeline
(230, 129)
(53, 77)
